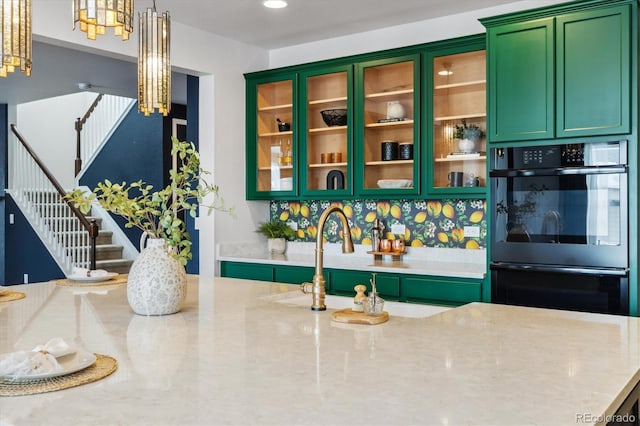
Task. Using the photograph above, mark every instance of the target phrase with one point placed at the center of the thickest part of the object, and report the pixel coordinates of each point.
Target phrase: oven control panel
(537, 157)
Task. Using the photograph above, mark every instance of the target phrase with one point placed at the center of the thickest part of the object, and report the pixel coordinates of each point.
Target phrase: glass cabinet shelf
(275, 107)
(387, 163)
(391, 94)
(328, 101)
(403, 123)
(328, 165)
(328, 129)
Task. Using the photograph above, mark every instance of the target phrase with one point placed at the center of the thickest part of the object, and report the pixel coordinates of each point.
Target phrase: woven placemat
(119, 279)
(10, 296)
(103, 366)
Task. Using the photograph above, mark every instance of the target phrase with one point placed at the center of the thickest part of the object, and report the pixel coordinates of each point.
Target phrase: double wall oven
(559, 234)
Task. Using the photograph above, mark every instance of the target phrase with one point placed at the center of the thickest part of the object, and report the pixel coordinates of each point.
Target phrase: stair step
(108, 252)
(104, 237)
(120, 266)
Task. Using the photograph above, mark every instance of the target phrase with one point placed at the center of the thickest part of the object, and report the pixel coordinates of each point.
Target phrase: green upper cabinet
(271, 148)
(456, 122)
(521, 82)
(559, 72)
(387, 131)
(326, 139)
(593, 69)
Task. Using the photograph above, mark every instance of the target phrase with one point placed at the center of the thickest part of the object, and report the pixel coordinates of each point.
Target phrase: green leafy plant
(276, 229)
(157, 212)
(467, 131)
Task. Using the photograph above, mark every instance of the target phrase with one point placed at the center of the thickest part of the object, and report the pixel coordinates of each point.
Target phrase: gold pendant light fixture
(95, 16)
(15, 36)
(154, 66)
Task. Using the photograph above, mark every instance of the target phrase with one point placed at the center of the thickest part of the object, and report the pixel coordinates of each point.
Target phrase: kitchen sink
(398, 309)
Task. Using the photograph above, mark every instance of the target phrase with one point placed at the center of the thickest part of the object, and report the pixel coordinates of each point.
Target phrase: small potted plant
(468, 136)
(277, 234)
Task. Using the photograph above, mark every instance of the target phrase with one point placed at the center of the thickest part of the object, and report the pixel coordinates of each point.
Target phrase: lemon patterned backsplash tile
(428, 223)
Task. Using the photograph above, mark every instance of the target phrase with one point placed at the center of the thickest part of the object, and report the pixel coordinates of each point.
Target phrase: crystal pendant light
(95, 16)
(154, 65)
(15, 36)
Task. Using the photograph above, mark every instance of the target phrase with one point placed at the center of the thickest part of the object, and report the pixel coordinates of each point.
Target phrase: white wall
(48, 127)
(447, 27)
(221, 63)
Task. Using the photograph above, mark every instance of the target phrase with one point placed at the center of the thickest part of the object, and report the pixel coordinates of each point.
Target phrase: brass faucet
(318, 285)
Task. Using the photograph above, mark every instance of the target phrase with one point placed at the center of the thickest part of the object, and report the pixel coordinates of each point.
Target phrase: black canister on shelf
(405, 151)
(389, 150)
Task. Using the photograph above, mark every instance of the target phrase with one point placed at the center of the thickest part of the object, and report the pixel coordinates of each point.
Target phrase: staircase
(56, 216)
(108, 255)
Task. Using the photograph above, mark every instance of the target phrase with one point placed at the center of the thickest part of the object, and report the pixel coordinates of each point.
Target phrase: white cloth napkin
(40, 360)
(83, 272)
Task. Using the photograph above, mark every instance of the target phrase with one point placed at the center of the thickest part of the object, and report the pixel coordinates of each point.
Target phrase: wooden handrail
(80, 122)
(90, 226)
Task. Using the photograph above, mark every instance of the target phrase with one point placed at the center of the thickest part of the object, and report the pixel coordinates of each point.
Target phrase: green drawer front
(421, 289)
(248, 271)
(293, 274)
(342, 282)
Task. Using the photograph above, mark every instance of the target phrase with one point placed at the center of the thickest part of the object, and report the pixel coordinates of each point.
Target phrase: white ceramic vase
(277, 245)
(157, 282)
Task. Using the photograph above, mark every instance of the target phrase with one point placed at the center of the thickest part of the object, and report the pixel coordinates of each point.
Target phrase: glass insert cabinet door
(389, 108)
(459, 120)
(326, 150)
(275, 143)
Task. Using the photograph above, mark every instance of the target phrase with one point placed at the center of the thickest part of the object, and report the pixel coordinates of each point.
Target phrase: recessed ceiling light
(275, 4)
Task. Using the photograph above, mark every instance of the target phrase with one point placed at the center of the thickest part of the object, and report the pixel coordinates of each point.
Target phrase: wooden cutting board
(351, 317)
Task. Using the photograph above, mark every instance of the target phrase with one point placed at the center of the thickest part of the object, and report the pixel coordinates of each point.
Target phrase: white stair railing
(37, 194)
(98, 124)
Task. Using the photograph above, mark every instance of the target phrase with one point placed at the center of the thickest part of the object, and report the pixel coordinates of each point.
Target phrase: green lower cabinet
(440, 290)
(247, 271)
(405, 288)
(343, 281)
(293, 274)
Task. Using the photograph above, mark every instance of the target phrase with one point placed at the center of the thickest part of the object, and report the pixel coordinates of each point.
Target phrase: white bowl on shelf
(286, 184)
(395, 183)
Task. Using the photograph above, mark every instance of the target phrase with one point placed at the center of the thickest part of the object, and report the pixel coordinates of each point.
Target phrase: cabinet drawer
(247, 271)
(293, 274)
(440, 290)
(342, 282)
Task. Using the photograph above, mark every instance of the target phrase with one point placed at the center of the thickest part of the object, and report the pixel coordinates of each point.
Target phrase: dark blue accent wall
(134, 152)
(4, 166)
(193, 99)
(26, 254)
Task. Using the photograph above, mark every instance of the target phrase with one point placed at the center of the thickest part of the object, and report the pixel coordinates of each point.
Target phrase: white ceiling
(243, 20)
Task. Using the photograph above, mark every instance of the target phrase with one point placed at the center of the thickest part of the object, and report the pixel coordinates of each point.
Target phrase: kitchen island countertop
(242, 352)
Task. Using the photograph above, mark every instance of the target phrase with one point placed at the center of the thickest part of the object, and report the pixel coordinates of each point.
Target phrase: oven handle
(618, 272)
(560, 171)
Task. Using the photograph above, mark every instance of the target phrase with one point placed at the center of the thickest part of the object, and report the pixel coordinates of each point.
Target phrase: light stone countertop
(245, 352)
(446, 262)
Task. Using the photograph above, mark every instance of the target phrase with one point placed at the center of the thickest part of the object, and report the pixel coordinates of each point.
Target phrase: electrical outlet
(472, 231)
(11, 219)
(398, 228)
(25, 279)
(196, 223)
(293, 225)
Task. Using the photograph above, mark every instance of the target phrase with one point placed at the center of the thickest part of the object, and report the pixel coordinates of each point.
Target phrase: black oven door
(564, 215)
(576, 289)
